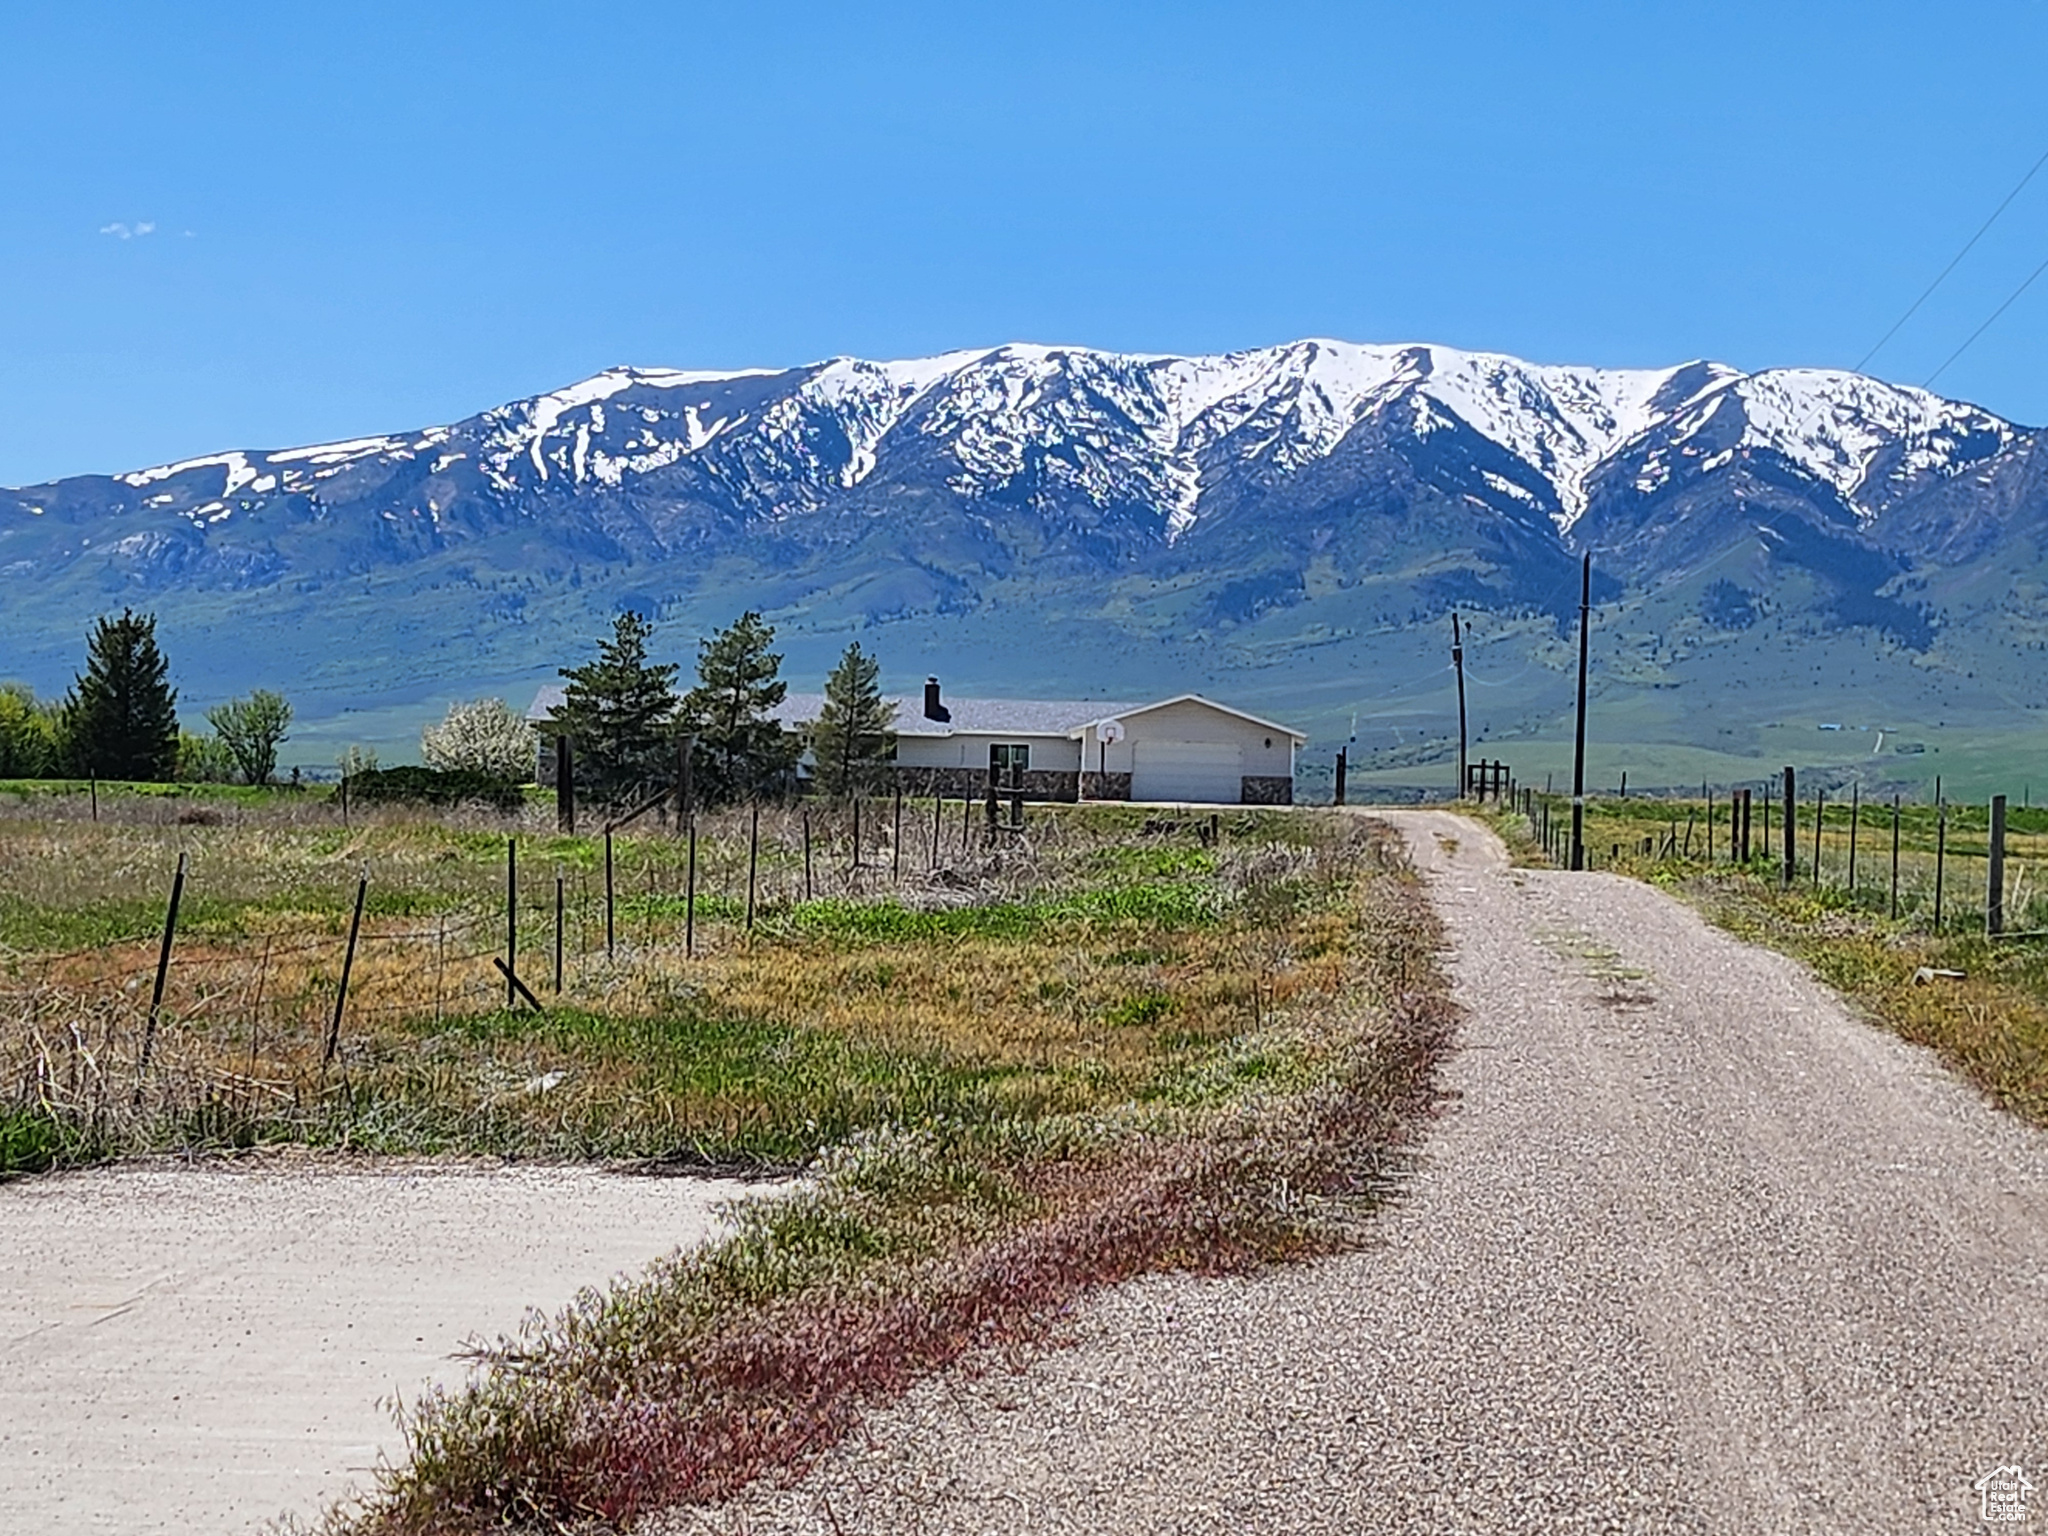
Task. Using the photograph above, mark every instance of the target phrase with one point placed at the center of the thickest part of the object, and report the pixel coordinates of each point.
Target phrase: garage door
(1209, 772)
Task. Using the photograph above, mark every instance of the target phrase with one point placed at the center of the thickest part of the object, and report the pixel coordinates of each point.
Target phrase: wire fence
(229, 1024)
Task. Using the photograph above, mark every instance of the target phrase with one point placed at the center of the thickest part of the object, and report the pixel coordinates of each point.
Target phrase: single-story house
(1183, 750)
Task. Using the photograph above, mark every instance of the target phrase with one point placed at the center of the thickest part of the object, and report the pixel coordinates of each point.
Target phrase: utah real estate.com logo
(2002, 1494)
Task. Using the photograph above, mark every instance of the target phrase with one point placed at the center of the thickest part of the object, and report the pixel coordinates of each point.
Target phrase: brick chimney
(933, 709)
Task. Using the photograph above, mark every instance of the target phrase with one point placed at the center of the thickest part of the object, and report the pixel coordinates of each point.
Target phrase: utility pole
(1458, 661)
(1578, 860)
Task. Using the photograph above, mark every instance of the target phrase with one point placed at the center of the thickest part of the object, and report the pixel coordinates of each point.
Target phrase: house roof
(978, 717)
(1195, 698)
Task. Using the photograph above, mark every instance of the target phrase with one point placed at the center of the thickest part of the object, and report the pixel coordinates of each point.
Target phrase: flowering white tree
(485, 736)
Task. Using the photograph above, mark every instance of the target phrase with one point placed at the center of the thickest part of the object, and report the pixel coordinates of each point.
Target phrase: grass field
(1990, 1024)
(1114, 1043)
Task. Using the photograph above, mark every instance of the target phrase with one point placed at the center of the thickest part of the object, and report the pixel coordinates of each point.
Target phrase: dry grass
(917, 1243)
(1013, 1074)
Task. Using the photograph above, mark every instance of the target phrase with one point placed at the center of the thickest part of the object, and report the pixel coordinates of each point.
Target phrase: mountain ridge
(1203, 514)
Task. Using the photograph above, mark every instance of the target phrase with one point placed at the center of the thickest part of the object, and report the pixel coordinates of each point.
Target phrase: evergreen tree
(250, 729)
(742, 750)
(121, 716)
(620, 711)
(851, 743)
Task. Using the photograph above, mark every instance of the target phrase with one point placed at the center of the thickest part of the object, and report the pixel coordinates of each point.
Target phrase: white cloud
(129, 231)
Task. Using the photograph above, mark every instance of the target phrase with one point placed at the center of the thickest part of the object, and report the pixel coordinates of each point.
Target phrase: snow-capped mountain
(1358, 488)
(1119, 430)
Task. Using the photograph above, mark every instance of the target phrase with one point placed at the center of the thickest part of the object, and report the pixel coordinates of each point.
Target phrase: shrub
(204, 760)
(484, 736)
(431, 786)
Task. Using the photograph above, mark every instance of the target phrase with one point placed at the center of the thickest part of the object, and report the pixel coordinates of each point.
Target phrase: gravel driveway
(1692, 1250)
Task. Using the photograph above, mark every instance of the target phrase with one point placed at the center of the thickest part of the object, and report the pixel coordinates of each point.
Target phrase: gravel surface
(1694, 1249)
(192, 1350)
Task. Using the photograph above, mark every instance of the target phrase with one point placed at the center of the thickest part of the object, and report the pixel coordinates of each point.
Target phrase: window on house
(1010, 761)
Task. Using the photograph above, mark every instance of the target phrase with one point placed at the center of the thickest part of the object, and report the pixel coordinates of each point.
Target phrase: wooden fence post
(1940, 851)
(558, 933)
(1820, 808)
(686, 751)
(753, 858)
(163, 971)
(608, 893)
(1791, 830)
(348, 964)
(511, 918)
(896, 853)
(565, 787)
(1895, 856)
(1710, 823)
(690, 896)
(1994, 894)
(94, 785)
(1855, 813)
(938, 811)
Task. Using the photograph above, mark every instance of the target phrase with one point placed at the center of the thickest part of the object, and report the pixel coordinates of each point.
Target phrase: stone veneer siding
(1105, 786)
(1273, 789)
(1039, 783)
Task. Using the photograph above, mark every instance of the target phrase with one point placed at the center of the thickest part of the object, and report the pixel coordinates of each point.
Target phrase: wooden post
(1624, 795)
(1895, 856)
(1458, 662)
(344, 800)
(565, 787)
(896, 853)
(1710, 826)
(994, 784)
(1994, 892)
(1767, 819)
(1820, 807)
(807, 853)
(1338, 798)
(348, 964)
(690, 896)
(1791, 830)
(1579, 739)
(1940, 851)
(753, 858)
(1855, 812)
(608, 901)
(93, 784)
(855, 871)
(163, 971)
(938, 811)
(686, 751)
(511, 918)
(558, 933)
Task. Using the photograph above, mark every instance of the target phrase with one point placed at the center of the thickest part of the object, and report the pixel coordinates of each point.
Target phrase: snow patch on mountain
(1147, 433)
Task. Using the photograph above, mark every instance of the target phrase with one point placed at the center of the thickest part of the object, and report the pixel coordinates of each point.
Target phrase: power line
(1959, 351)
(1914, 307)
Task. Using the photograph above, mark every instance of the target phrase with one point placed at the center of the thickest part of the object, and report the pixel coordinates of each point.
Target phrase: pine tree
(121, 716)
(620, 712)
(851, 743)
(742, 750)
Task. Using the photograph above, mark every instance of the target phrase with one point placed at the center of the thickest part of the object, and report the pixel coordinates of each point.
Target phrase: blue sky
(376, 217)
